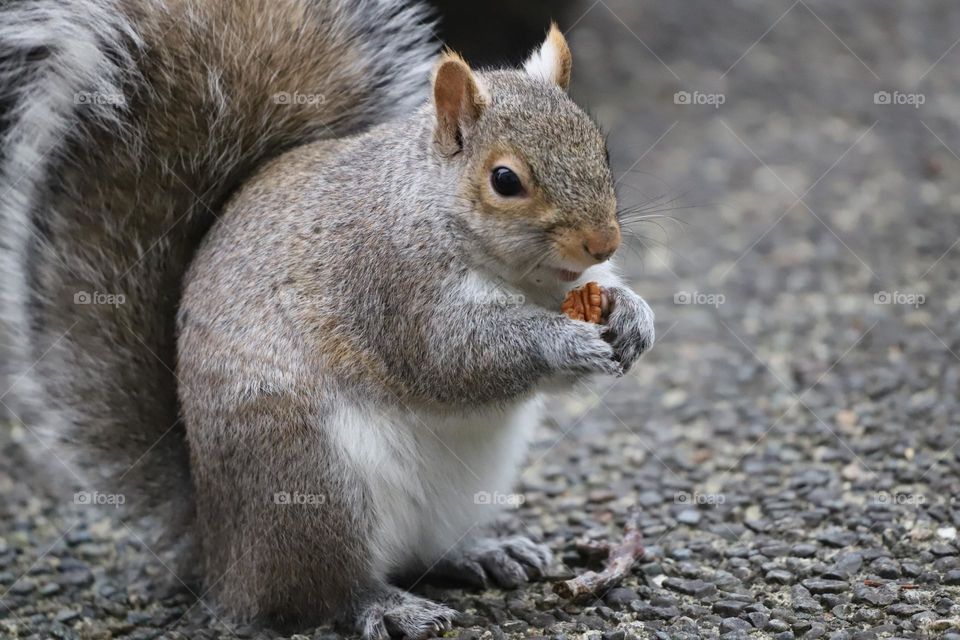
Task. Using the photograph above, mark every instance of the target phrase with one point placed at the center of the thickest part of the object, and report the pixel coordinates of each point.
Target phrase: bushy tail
(126, 124)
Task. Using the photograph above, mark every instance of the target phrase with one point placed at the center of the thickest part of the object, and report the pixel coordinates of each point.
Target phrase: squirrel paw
(629, 329)
(588, 352)
(507, 562)
(403, 615)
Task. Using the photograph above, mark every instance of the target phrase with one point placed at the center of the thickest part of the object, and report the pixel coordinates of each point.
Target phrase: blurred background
(791, 170)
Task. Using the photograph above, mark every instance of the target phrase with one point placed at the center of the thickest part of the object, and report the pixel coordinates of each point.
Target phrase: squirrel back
(126, 126)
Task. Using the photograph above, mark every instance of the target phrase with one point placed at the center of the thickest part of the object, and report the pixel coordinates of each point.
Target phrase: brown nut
(587, 303)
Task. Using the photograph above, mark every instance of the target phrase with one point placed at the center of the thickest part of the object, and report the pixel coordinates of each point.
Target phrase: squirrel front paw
(507, 562)
(585, 351)
(629, 329)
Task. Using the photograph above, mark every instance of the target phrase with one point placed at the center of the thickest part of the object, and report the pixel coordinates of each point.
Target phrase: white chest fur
(435, 480)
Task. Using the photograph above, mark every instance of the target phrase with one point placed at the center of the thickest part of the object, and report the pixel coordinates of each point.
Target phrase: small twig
(618, 565)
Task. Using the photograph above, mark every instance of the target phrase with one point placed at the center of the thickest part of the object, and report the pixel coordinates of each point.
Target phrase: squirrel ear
(459, 98)
(552, 62)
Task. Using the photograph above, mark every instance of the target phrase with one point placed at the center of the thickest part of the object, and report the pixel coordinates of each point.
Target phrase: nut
(587, 303)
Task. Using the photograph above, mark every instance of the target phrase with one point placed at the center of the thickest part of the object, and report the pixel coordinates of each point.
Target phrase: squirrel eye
(506, 182)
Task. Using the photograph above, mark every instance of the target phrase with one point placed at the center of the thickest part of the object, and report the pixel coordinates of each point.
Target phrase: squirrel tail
(125, 126)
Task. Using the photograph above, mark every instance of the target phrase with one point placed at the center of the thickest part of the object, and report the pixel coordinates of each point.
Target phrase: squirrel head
(536, 190)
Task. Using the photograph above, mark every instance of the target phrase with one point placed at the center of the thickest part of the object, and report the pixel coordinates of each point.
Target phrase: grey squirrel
(335, 294)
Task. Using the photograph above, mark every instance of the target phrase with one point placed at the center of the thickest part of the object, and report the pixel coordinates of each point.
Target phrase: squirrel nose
(601, 245)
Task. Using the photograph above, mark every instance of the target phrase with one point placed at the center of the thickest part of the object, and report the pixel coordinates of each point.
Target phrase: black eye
(506, 182)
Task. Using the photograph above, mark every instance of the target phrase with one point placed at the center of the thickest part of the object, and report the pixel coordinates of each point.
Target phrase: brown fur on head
(561, 217)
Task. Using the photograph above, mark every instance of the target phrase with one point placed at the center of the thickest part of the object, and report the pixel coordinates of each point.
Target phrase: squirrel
(289, 280)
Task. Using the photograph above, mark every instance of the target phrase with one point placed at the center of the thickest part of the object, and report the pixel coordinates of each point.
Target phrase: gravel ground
(790, 442)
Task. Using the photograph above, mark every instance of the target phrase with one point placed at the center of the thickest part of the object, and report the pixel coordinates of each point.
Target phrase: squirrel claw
(403, 615)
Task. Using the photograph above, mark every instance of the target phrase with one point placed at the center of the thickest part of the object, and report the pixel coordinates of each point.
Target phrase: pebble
(22, 587)
(816, 630)
(825, 586)
(777, 626)
(758, 620)
(696, 588)
(779, 576)
(807, 605)
(647, 611)
(66, 616)
(621, 596)
(904, 610)
(885, 568)
(873, 596)
(729, 608)
(868, 616)
(832, 600)
(837, 538)
(734, 624)
(844, 566)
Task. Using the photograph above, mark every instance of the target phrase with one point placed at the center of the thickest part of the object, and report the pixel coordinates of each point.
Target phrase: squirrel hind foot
(398, 614)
